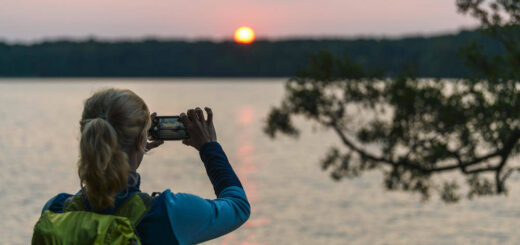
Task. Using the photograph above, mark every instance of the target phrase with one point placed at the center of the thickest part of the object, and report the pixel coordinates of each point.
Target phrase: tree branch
(460, 164)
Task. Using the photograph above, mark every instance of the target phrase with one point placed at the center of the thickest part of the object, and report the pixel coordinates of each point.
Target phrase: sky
(35, 20)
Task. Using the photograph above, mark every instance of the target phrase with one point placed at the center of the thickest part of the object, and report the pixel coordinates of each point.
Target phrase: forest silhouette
(435, 56)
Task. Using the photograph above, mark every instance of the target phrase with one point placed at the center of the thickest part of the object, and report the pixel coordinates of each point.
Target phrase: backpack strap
(135, 208)
(74, 203)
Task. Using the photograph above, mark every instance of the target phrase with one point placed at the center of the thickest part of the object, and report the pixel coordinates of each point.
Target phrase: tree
(421, 129)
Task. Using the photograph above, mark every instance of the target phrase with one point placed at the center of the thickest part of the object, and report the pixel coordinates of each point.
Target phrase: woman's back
(177, 218)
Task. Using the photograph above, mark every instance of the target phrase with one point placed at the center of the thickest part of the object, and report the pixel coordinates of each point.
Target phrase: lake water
(293, 201)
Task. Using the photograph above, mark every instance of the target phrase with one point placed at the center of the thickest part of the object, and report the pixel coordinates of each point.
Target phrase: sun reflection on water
(246, 169)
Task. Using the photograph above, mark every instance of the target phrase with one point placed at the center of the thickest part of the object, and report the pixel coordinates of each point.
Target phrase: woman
(113, 141)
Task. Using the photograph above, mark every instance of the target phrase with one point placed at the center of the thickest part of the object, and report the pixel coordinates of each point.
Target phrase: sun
(244, 35)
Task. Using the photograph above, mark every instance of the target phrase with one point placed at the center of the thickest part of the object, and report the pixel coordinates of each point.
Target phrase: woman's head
(113, 125)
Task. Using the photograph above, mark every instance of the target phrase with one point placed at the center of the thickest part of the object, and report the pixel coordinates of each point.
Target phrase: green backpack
(78, 226)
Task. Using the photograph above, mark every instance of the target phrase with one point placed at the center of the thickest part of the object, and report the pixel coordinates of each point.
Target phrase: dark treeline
(436, 56)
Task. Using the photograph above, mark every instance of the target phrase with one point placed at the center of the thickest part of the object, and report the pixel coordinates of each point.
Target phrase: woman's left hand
(153, 143)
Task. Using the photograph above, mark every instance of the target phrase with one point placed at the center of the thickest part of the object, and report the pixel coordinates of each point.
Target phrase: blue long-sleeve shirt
(180, 218)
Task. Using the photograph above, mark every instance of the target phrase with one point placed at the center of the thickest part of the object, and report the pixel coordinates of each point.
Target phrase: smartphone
(167, 128)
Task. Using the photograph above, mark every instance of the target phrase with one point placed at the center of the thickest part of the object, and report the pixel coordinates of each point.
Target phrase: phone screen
(168, 128)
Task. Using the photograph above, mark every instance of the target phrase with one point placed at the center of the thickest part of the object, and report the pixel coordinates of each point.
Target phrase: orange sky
(28, 20)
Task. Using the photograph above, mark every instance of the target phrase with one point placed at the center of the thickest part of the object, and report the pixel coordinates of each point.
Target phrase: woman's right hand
(201, 131)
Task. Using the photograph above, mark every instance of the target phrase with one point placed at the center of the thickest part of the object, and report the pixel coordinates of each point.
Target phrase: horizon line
(230, 39)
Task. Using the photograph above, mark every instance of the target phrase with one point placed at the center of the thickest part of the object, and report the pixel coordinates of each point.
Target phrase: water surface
(293, 201)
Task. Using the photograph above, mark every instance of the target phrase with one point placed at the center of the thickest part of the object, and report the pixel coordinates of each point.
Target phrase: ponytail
(103, 166)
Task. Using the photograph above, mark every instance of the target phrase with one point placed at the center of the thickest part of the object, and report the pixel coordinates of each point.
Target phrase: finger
(150, 146)
(153, 117)
(193, 117)
(154, 144)
(210, 114)
(200, 114)
(184, 120)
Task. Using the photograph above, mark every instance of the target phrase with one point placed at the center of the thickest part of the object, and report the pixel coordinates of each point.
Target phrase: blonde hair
(113, 122)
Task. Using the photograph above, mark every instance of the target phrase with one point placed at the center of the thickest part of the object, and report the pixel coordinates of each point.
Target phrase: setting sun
(244, 35)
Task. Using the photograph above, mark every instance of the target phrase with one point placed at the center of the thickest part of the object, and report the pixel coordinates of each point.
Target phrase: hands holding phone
(199, 129)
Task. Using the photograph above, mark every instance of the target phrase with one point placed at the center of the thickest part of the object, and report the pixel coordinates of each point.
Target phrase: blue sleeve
(195, 220)
(218, 168)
